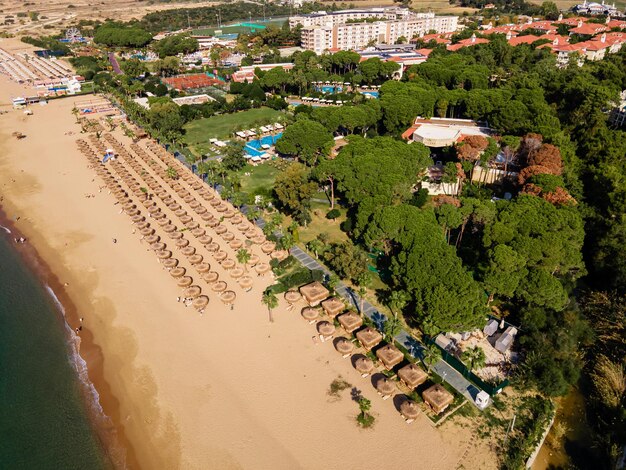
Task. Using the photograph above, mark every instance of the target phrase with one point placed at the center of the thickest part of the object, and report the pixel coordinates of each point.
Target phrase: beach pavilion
(314, 293)
(412, 375)
(369, 337)
(390, 356)
(333, 306)
(438, 398)
(350, 321)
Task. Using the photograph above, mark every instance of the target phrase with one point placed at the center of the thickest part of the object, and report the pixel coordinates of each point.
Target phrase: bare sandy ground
(225, 390)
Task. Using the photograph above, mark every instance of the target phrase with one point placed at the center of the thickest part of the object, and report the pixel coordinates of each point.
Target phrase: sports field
(239, 27)
(198, 132)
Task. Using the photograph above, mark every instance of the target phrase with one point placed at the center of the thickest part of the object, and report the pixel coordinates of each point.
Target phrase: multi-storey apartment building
(354, 29)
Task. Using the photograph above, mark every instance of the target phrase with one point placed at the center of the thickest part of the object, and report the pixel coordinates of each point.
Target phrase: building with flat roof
(443, 132)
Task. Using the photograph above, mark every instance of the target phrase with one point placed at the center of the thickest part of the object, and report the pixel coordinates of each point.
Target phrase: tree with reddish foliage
(531, 171)
(442, 199)
(471, 147)
(547, 156)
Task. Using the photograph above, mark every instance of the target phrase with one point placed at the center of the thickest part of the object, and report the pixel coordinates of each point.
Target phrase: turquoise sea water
(43, 418)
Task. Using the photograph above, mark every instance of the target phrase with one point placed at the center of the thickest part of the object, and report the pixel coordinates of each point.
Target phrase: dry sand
(225, 390)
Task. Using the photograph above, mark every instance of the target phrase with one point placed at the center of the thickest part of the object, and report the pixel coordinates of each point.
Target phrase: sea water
(44, 420)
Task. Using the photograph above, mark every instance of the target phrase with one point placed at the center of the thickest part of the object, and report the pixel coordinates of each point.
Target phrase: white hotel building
(342, 29)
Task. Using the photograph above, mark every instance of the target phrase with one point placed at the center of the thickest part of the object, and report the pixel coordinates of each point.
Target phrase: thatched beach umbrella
(314, 293)
(243, 227)
(176, 207)
(221, 208)
(364, 365)
(152, 239)
(254, 259)
(189, 198)
(236, 273)
(235, 244)
(228, 297)
(268, 247)
(158, 215)
(369, 337)
(180, 212)
(169, 228)
(157, 246)
(201, 210)
(220, 229)
(165, 223)
(154, 209)
(236, 219)
(213, 223)
(203, 268)
(210, 277)
(409, 410)
(137, 218)
(170, 263)
(385, 387)
(212, 247)
(198, 232)
(350, 321)
(200, 302)
(146, 232)
(310, 314)
(325, 329)
(205, 239)
(292, 296)
(188, 251)
(259, 239)
(344, 346)
(132, 212)
(195, 259)
(246, 283)
(390, 356)
(185, 281)
(192, 225)
(182, 243)
(228, 236)
(229, 214)
(185, 219)
(251, 233)
(197, 185)
(412, 375)
(228, 263)
(178, 272)
(220, 255)
(193, 204)
(215, 202)
(192, 292)
(175, 235)
(128, 206)
(219, 286)
(333, 306)
(262, 268)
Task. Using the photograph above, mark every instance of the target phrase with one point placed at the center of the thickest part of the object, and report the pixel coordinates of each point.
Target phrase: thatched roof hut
(412, 375)
(369, 337)
(350, 321)
(385, 387)
(314, 293)
(344, 346)
(390, 356)
(410, 410)
(310, 314)
(438, 398)
(292, 296)
(333, 306)
(326, 329)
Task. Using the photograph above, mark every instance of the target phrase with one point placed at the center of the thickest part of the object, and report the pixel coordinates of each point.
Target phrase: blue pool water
(330, 89)
(373, 94)
(254, 146)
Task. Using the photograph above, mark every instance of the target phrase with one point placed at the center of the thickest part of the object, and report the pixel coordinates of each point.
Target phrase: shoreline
(102, 409)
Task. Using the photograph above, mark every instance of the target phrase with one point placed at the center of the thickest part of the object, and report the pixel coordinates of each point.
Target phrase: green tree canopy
(306, 140)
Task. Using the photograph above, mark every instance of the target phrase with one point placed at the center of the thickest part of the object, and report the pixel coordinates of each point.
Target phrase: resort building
(355, 29)
(593, 8)
(443, 132)
(403, 54)
(247, 73)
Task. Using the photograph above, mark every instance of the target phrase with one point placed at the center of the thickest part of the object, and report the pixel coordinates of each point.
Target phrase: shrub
(333, 214)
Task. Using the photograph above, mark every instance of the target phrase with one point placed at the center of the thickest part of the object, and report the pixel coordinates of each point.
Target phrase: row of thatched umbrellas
(334, 309)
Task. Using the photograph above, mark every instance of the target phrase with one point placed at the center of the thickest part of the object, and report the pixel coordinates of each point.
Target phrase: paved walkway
(412, 345)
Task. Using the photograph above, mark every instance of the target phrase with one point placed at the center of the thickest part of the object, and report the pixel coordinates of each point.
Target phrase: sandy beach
(227, 389)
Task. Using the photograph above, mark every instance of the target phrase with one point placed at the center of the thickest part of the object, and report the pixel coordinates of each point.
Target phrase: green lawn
(320, 224)
(198, 132)
(258, 179)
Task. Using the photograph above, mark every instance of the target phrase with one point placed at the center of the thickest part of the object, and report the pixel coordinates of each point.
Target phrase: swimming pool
(330, 89)
(254, 146)
(373, 94)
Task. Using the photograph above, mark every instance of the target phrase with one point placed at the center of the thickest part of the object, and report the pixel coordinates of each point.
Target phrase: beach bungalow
(314, 293)
(438, 398)
(412, 376)
(369, 338)
(350, 321)
(390, 356)
(333, 306)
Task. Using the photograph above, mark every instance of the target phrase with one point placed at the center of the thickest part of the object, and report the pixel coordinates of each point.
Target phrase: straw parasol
(195, 259)
(192, 292)
(310, 314)
(228, 236)
(262, 268)
(146, 232)
(350, 321)
(137, 218)
(364, 365)
(132, 212)
(220, 255)
(192, 225)
(165, 222)
(236, 219)
(215, 202)
(176, 207)
(333, 306)
(178, 272)
(438, 398)
(200, 210)
(220, 229)
(200, 302)
(185, 219)
(207, 217)
(169, 228)
(212, 246)
(326, 329)
(188, 251)
(251, 233)
(268, 247)
(210, 277)
(410, 410)
(170, 263)
(228, 297)
(258, 239)
(219, 286)
(229, 214)
(313, 293)
(164, 254)
(385, 387)
(412, 375)
(158, 216)
(254, 259)
(246, 283)
(228, 263)
(175, 235)
(369, 337)
(188, 199)
(243, 227)
(185, 281)
(182, 243)
(236, 273)
(205, 239)
(198, 232)
(193, 204)
(292, 296)
(180, 212)
(390, 356)
(235, 244)
(344, 346)
(213, 223)
(158, 246)
(152, 239)
(203, 268)
(221, 208)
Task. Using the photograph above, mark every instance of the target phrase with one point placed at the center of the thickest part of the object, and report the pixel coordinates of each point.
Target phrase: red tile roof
(588, 29)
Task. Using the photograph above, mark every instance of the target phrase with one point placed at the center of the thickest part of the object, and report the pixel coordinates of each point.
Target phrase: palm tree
(243, 256)
(253, 214)
(364, 280)
(315, 246)
(475, 356)
(392, 328)
(171, 173)
(333, 281)
(75, 113)
(430, 356)
(362, 291)
(270, 301)
(396, 301)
